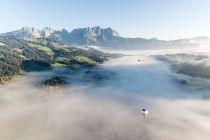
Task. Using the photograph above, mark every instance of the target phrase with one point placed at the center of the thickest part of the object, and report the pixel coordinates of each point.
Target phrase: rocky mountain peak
(46, 32)
(96, 31)
(28, 29)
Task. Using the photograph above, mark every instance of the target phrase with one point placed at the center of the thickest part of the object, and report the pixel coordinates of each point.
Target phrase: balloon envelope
(145, 112)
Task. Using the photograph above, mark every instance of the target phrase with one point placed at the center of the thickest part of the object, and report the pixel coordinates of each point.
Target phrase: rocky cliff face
(31, 32)
(81, 36)
(94, 35)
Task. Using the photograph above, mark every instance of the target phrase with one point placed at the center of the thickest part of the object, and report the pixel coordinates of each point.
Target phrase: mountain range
(98, 36)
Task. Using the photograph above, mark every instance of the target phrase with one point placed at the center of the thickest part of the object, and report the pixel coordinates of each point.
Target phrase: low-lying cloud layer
(195, 69)
(107, 111)
(192, 65)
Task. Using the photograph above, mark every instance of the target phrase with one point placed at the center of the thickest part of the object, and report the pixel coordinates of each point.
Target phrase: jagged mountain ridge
(81, 36)
(31, 32)
(96, 36)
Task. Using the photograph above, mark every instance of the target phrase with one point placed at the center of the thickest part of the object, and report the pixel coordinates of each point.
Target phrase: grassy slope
(15, 51)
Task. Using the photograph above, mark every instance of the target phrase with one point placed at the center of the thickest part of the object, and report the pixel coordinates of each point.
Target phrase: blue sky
(163, 19)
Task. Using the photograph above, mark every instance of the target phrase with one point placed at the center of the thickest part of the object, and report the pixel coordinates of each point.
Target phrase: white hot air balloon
(145, 112)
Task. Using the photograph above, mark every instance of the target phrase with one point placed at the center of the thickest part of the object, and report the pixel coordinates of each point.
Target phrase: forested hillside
(41, 54)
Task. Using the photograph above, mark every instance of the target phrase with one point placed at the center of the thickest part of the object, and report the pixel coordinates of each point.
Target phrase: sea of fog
(109, 109)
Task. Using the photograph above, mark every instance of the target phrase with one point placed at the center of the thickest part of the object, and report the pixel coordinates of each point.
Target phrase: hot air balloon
(144, 112)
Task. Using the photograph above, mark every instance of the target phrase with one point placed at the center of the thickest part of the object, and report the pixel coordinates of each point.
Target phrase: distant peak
(28, 28)
(34, 29)
(48, 29)
(97, 30)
